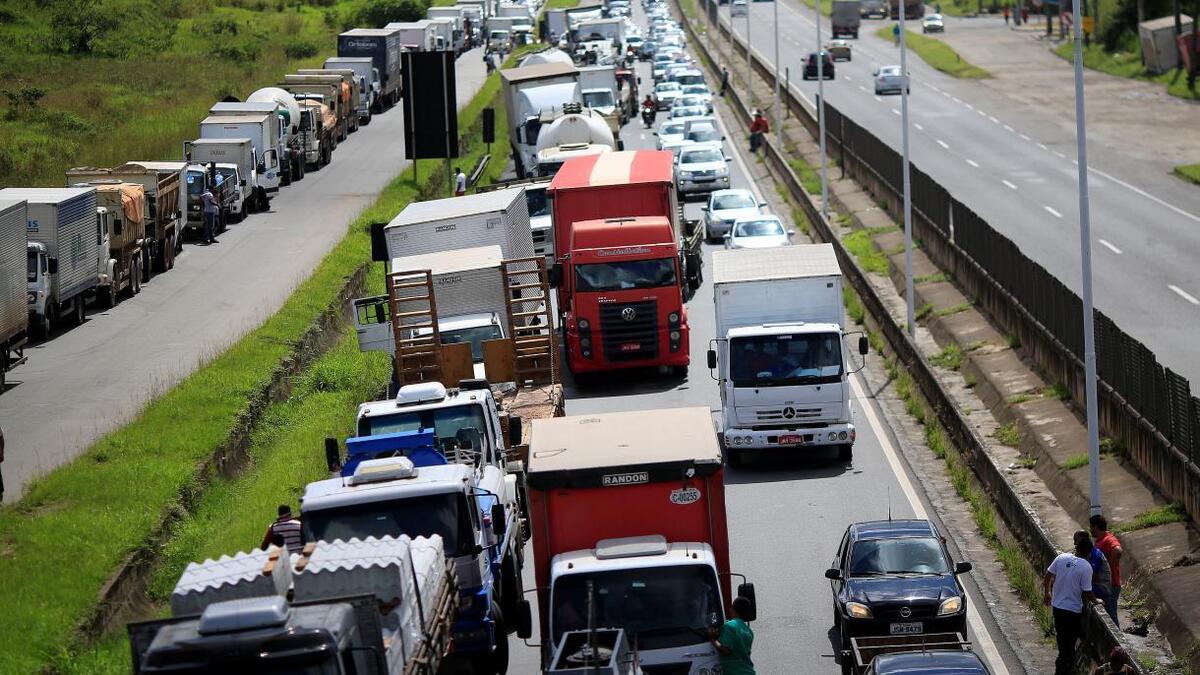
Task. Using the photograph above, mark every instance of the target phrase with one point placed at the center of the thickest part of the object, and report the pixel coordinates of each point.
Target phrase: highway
(786, 513)
(1015, 166)
(89, 380)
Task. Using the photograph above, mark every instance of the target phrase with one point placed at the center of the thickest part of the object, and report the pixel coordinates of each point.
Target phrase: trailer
(351, 91)
(328, 90)
(14, 312)
(500, 218)
(384, 47)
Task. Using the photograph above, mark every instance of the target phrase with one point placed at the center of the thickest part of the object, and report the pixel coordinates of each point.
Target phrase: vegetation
(1189, 172)
(950, 357)
(1171, 513)
(1008, 435)
(561, 4)
(938, 54)
(870, 258)
(1126, 61)
(810, 178)
(1075, 461)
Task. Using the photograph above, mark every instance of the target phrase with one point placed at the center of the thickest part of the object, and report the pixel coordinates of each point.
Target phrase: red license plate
(630, 347)
(794, 439)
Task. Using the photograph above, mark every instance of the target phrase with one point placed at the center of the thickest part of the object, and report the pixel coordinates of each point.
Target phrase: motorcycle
(648, 114)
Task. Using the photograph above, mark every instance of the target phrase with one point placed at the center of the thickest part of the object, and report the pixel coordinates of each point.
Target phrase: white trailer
(499, 218)
(456, 16)
(420, 35)
(780, 354)
(533, 97)
(280, 136)
(14, 310)
(444, 35)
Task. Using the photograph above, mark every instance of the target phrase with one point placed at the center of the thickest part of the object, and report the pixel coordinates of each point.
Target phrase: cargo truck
(500, 218)
(222, 183)
(554, 25)
(291, 150)
(121, 212)
(263, 131)
(845, 18)
(780, 354)
(235, 161)
(455, 15)
(328, 89)
(417, 36)
(583, 12)
(274, 113)
(64, 248)
(913, 9)
(628, 519)
(621, 268)
(351, 91)
(384, 47)
(601, 92)
(368, 75)
(14, 310)
(538, 205)
(318, 137)
(371, 607)
(534, 96)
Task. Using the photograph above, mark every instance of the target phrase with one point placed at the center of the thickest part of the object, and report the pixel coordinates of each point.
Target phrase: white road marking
(1184, 294)
(862, 87)
(847, 78)
(934, 88)
(1054, 213)
(973, 163)
(1024, 137)
(918, 126)
(947, 94)
(1105, 244)
(967, 105)
(993, 119)
(1145, 194)
(878, 98)
(1007, 128)
(896, 110)
(1042, 146)
(1011, 185)
(1060, 155)
(943, 144)
(978, 629)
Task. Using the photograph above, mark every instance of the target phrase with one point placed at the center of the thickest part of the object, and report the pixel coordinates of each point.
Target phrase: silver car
(724, 208)
(700, 90)
(890, 80)
(700, 169)
(670, 132)
(758, 232)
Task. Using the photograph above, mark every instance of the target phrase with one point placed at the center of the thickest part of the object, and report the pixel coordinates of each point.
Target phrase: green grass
(1075, 461)
(950, 357)
(1018, 399)
(938, 54)
(954, 309)
(86, 516)
(853, 303)
(810, 178)
(1128, 64)
(1058, 390)
(1171, 513)
(1008, 435)
(561, 4)
(1189, 172)
(870, 258)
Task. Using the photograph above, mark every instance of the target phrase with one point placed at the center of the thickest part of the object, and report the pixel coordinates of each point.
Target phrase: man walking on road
(734, 640)
(1110, 546)
(287, 527)
(1066, 585)
(460, 182)
(1005, 15)
(209, 207)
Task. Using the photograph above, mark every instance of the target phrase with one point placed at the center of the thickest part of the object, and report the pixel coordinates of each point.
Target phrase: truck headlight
(673, 317)
(674, 335)
(585, 343)
(584, 324)
(950, 606)
(857, 610)
(31, 296)
(842, 436)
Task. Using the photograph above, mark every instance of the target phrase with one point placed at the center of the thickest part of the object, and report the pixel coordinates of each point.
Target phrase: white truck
(500, 218)
(600, 91)
(579, 132)
(282, 136)
(456, 16)
(443, 35)
(370, 88)
(418, 36)
(534, 96)
(291, 140)
(554, 23)
(382, 606)
(14, 310)
(66, 244)
(780, 354)
(263, 130)
(235, 160)
(609, 30)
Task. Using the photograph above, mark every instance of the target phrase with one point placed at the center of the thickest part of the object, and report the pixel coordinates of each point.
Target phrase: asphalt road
(786, 513)
(88, 380)
(1015, 167)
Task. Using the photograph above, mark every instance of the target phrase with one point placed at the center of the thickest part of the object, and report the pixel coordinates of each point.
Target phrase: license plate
(631, 347)
(914, 628)
(794, 439)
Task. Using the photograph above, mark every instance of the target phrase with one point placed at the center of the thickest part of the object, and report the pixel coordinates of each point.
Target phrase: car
(670, 131)
(726, 206)
(839, 50)
(950, 662)
(873, 9)
(895, 577)
(701, 168)
(761, 231)
(665, 94)
(739, 8)
(690, 101)
(646, 50)
(889, 80)
(702, 130)
(702, 91)
(810, 66)
(933, 23)
(680, 112)
(687, 76)
(674, 146)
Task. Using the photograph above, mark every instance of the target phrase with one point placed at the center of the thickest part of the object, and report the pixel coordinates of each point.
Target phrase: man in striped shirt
(287, 528)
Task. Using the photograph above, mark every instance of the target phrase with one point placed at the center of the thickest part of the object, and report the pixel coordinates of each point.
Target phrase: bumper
(474, 636)
(689, 186)
(718, 229)
(868, 627)
(789, 439)
(598, 364)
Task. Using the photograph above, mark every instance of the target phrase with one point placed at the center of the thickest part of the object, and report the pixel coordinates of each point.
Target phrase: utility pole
(821, 114)
(749, 87)
(778, 120)
(911, 321)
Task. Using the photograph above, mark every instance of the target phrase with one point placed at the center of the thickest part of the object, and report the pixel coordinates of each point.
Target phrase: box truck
(533, 96)
(384, 47)
(500, 217)
(368, 75)
(291, 151)
(845, 18)
(235, 162)
(418, 36)
(282, 138)
(600, 91)
(627, 513)
(781, 359)
(263, 131)
(456, 16)
(14, 310)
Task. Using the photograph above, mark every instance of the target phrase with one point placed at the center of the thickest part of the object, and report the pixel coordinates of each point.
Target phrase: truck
(384, 47)
(121, 212)
(601, 92)
(223, 185)
(318, 133)
(845, 17)
(913, 9)
(263, 131)
(368, 75)
(533, 96)
(621, 269)
(235, 162)
(371, 607)
(351, 91)
(417, 36)
(611, 31)
(456, 16)
(780, 355)
(444, 35)
(500, 217)
(627, 512)
(578, 132)
(554, 25)
(291, 150)
(585, 11)
(14, 310)
(64, 248)
(166, 204)
(473, 22)
(540, 222)
(330, 90)
(287, 153)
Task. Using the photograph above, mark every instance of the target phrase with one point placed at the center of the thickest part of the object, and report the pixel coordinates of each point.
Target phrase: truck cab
(40, 272)
(471, 328)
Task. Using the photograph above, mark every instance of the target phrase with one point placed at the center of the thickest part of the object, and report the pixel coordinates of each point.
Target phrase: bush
(238, 52)
(79, 24)
(379, 13)
(300, 49)
(216, 26)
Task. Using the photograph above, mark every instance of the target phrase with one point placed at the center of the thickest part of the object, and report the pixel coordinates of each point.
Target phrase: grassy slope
(938, 54)
(1128, 65)
(103, 111)
(1189, 172)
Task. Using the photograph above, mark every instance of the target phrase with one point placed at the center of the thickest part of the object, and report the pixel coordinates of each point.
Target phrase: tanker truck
(579, 132)
(291, 150)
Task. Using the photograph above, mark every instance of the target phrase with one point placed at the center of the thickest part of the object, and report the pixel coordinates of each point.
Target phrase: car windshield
(446, 514)
(598, 99)
(890, 71)
(690, 78)
(537, 203)
(758, 228)
(666, 86)
(686, 111)
(785, 360)
(910, 555)
(445, 422)
(671, 129)
(476, 335)
(700, 156)
(32, 266)
(659, 607)
(696, 89)
(733, 201)
(226, 172)
(625, 275)
(704, 134)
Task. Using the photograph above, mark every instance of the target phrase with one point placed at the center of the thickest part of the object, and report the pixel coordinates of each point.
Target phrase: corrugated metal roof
(785, 262)
(230, 578)
(354, 567)
(457, 207)
(448, 262)
(235, 119)
(623, 438)
(44, 195)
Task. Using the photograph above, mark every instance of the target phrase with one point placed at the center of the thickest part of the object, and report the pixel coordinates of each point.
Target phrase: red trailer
(628, 520)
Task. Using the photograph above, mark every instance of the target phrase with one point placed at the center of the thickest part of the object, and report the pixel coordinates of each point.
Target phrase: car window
(672, 129)
(734, 201)
(698, 156)
(911, 555)
(758, 228)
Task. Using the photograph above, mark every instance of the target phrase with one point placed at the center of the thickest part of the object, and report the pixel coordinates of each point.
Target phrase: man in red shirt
(1110, 546)
(758, 127)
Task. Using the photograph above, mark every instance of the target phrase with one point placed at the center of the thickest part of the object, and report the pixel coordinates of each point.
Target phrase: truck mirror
(747, 591)
(514, 430)
(620, 145)
(242, 182)
(333, 455)
(556, 276)
(52, 266)
(499, 520)
(864, 345)
(524, 620)
(261, 168)
(712, 359)
(833, 573)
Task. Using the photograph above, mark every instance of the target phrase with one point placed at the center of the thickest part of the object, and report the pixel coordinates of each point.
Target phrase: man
(210, 209)
(1110, 546)
(1005, 15)
(1118, 663)
(724, 79)
(288, 528)
(1066, 585)
(734, 640)
(1, 464)
(1101, 573)
(460, 182)
(758, 127)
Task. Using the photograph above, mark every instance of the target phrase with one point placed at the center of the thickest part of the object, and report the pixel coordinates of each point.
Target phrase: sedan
(889, 80)
(702, 130)
(665, 94)
(810, 66)
(702, 91)
(670, 132)
(933, 24)
(690, 101)
(839, 50)
(758, 232)
(646, 50)
(924, 662)
(680, 112)
(700, 169)
(724, 208)
(895, 577)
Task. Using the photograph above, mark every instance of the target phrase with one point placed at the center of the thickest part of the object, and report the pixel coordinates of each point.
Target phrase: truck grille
(796, 414)
(629, 330)
(667, 669)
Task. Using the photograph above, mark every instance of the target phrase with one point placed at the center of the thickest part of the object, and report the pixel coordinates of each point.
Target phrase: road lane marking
(1145, 194)
(973, 163)
(1024, 137)
(1042, 146)
(943, 144)
(1060, 155)
(934, 88)
(1007, 128)
(981, 113)
(1054, 213)
(918, 126)
(968, 105)
(862, 87)
(880, 99)
(847, 78)
(1184, 294)
(1009, 184)
(993, 119)
(1105, 244)
(896, 110)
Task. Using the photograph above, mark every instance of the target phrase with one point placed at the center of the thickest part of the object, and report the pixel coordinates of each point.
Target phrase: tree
(379, 13)
(80, 23)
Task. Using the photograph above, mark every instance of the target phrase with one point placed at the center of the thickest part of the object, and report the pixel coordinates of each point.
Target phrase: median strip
(939, 55)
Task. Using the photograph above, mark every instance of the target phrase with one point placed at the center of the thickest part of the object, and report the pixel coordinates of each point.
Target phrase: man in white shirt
(1066, 586)
(460, 182)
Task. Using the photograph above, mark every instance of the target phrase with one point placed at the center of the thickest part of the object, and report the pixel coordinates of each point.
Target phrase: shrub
(237, 52)
(379, 13)
(300, 49)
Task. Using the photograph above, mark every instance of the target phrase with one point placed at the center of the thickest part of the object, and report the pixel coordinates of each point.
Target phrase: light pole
(749, 87)
(778, 125)
(1085, 256)
(821, 114)
(911, 321)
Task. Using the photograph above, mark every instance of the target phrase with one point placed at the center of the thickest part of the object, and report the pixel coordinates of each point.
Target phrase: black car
(895, 577)
(923, 663)
(810, 66)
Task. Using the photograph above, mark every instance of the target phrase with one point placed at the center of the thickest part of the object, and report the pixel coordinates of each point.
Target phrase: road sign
(1089, 24)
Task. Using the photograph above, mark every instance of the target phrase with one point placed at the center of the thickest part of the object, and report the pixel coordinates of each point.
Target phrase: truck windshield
(32, 266)
(659, 607)
(536, 200)
(785, 360)
(445, 422)
(598, 99)
(625, 275)
(195, 181)
(446, 514)
(476, 335)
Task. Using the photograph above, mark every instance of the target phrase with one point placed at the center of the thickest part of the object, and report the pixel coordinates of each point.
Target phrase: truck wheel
(496, 662)
(41, 326)
(109, 296)
(135, 278)
(77, 311)
(845, 452)
(511, 589)
(148, 265)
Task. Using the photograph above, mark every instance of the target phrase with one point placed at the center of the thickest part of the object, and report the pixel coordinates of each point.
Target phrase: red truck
(622, 266)
(627, 512)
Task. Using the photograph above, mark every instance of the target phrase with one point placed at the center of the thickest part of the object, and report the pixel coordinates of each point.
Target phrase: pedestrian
(460, 182)
(1005, 12)
(724, 79)
(1101, 572)
(1066, 586)
(1118, 663)
(489, 62)
(1110, 546)
(285, 526)
(1, 465)
(734, 640)
(210, 209)
(758, 127)
(896, 33)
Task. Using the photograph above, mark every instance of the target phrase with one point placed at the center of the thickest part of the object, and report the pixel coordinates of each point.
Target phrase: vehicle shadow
(618, 383)
(835, 643)
(772, 466)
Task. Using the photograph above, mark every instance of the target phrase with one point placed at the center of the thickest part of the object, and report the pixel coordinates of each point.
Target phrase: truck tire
(496, 662)
(135, 278)
(78, 311)
(108, 296)
(148, 263)
(845, 452)
(510, 587)
(41, 327)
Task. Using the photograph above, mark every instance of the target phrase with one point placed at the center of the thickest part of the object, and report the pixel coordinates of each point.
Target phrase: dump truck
(121, 208)
(326, 89)
(384, 47)
(14, 311)
(534, 96)
(318, 133)
(350, 82)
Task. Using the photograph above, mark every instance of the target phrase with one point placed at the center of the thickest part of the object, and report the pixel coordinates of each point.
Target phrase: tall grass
(1128, 64)
(938, 54)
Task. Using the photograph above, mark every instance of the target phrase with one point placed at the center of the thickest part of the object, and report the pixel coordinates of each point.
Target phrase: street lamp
(821, 114)
(778, 125)
(911, 322)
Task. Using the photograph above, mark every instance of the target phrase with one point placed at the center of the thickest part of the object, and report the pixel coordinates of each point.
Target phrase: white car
(669, 132)
(700, 90)
(739, 8)
(890, 80)
(702, 130)
(933, 23)
(679, 112)
(676, 146)
(701, 168)
(691, 76)
(724, 208)
(690, 101)
(758, 232)
(665, 94)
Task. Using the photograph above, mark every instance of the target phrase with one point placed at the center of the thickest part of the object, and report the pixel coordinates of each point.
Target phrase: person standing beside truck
(209, 206)
(734, 639)
(1110, 546)
(1, 465)
(287, 527)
